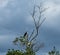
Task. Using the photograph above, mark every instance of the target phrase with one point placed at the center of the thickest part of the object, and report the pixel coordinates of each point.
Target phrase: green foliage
(14, 52)
(54, 52)
(29, 51)
(18, 52)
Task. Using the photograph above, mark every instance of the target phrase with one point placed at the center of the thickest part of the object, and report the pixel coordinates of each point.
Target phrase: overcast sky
(15, 19)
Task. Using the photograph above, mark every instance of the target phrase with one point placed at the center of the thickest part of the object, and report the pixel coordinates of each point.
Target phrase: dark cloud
(13, 22)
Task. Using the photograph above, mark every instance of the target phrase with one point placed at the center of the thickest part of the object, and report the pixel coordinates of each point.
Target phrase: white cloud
(3, 3)
(53, 8)
(52, 12)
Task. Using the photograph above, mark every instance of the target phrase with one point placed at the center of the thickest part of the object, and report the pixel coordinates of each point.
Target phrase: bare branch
(31, 34)
(38, 46)
(41, 22)
(33, 16)
(37, 24)
(34, 37)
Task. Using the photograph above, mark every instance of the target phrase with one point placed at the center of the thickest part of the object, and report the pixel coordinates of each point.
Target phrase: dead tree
(28, 40)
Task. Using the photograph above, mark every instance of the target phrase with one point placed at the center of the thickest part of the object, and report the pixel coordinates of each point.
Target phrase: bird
(25, 34)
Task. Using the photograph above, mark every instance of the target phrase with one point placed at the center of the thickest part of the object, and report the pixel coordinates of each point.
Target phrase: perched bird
(25, 33)
(25, 36)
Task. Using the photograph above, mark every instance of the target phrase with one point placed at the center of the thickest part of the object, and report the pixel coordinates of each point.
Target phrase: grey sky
(15, 19)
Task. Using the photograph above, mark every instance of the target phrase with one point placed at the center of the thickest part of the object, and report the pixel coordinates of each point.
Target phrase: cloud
(12, 19)
(3, 3)
(53, 9)
(52, 15)
(13, 15)
(15, 19)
